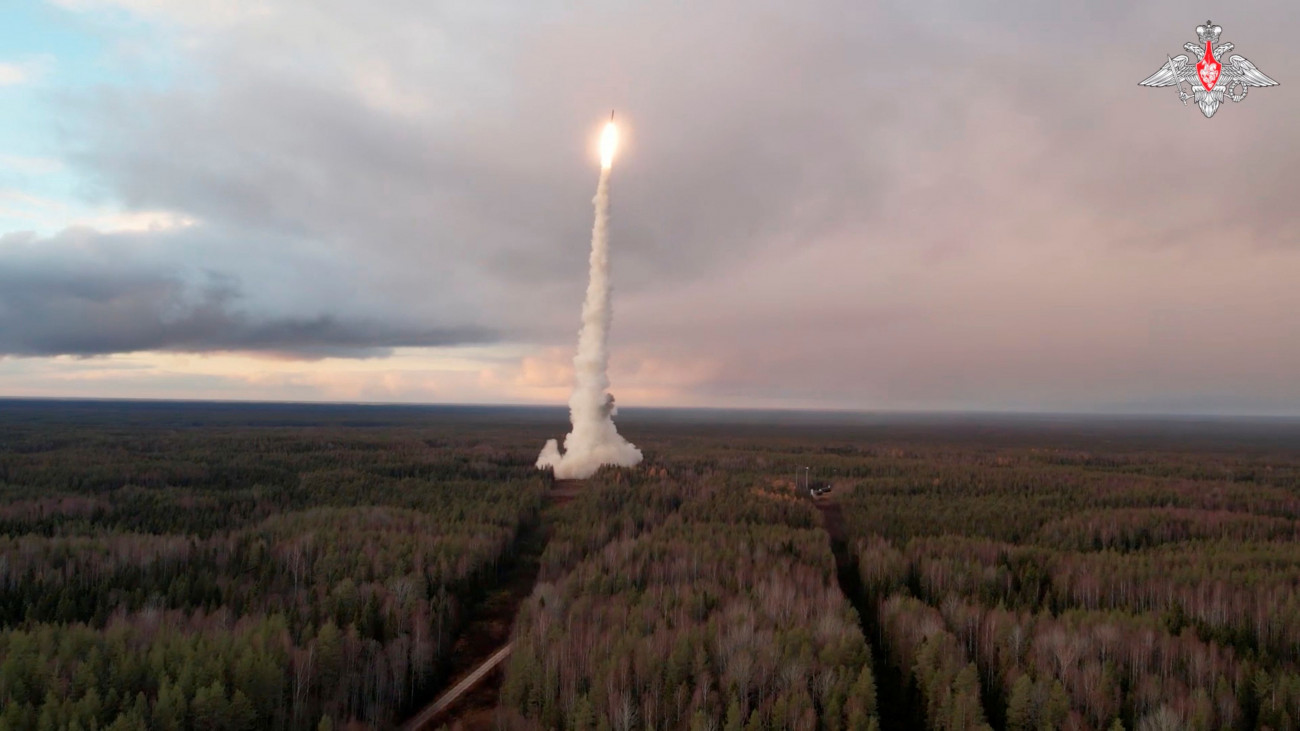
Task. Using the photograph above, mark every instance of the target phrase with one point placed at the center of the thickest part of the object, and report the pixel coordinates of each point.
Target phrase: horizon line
(1157, 415)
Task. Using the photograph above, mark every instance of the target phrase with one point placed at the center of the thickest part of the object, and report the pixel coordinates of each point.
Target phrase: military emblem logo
(1209, 80)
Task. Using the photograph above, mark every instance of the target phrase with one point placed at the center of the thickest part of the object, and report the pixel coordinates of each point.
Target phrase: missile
(611, 115)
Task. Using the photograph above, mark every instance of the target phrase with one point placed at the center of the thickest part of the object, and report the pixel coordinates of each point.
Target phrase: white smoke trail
(594, 441)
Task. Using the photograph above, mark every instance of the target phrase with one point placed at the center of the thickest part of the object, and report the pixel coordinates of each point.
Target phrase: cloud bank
(882, 205)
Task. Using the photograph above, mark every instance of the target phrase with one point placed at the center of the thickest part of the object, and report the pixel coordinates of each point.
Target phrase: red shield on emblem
(1220, 81)
(1207, 69)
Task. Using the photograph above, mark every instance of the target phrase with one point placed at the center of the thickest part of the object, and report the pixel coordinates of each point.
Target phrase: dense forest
(708, 608)
(164, 575)
(1022, 576)
(1089, 591)
(289, 567)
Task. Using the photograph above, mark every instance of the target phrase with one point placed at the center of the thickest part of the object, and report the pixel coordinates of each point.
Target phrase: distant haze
(884, 205)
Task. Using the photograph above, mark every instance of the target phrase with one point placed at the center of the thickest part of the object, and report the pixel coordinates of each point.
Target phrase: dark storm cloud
(59, 298)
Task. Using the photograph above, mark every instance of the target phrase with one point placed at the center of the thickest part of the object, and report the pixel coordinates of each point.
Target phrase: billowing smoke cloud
(594, 440)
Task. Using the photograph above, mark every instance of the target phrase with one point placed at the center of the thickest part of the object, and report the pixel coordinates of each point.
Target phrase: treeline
(244, 578)
(688, 602)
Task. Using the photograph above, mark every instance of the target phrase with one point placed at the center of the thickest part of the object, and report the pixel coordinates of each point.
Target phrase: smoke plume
(594, 441)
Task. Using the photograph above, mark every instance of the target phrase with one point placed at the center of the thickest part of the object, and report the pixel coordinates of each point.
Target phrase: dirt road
(448, 699)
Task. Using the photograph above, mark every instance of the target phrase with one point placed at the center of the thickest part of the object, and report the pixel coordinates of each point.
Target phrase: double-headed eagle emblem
(1209, 80)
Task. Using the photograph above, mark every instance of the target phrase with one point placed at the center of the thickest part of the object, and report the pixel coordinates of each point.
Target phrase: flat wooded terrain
(205, 566)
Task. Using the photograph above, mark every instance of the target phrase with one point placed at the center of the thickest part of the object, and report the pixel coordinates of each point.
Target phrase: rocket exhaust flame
(594, 440)
(608, 145)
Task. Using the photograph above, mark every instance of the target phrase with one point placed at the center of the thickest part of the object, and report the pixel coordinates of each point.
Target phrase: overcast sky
(942, 204)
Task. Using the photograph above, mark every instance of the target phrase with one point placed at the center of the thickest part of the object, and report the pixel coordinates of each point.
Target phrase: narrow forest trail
(899, 707)
(477, 657)
(487, 634)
